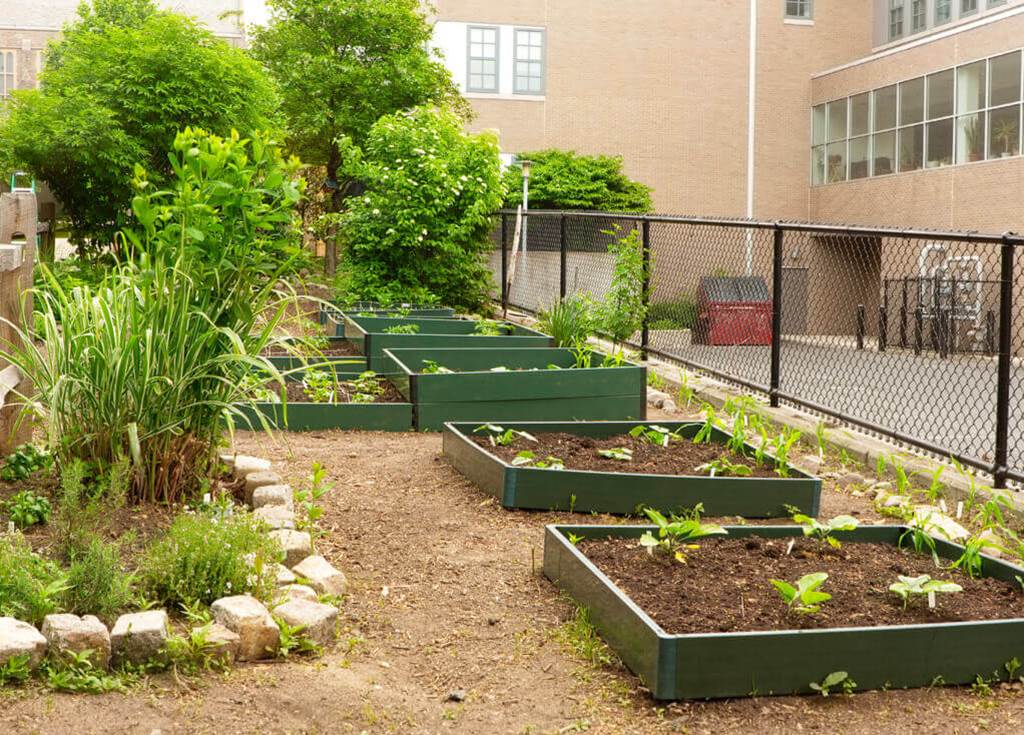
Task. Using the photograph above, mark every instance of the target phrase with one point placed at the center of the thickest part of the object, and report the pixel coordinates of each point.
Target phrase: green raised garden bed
(529, 390)
(346, 367)
(712, 665)
(623, 492)
(322, 416)
(362, 307)
(369, 336)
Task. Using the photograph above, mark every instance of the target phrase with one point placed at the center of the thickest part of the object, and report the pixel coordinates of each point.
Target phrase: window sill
(498, 96)
(797, 22)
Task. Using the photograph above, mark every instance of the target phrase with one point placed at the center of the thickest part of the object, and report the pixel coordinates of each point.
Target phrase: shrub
(566, 180)
(679, 314)
(97, 582)
(622, 312)
(570, 320)
(205, 556)
(420, 231)
(26, 508)
(30, 586)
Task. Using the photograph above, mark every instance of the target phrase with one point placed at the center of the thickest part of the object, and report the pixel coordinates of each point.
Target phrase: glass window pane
(970, 138)
(818, 165)
(859, 157)
(884, 147)
(943, 11)
(860, 108)
(836, 162)
(968, 6)
(1004, 132)
(912, 101)
(911, 148)
(940, 94)
(1005, 81)
(940, 143)
(836, 120)
(885, 108)
(818, 125)
(918, 15)
(970, 87)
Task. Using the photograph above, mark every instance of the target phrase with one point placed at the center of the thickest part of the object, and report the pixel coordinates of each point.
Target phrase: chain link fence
(913, 335)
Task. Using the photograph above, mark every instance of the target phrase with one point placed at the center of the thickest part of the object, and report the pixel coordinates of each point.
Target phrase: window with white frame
(800, 9)
(895, 18)
(528, 61)
(943, 11)
(7, 76)
(972, 112)
(482, 59)
(918, 15)
(968, 6)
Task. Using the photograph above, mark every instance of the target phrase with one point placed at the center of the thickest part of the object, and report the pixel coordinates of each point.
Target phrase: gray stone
(246, 616)
(317, 620)
(998, 544)
(298, 592)
(669, 406)
(295, 544)
(284, 575)
(656, 397)
(21, 639)
(261, 478)
(273, 495)
(72, 634)
(895, 501)
(138, 637)
(245, 465)
(223, 643)
(277, 517)
(321, 576)
(932, 519)
(850, 479)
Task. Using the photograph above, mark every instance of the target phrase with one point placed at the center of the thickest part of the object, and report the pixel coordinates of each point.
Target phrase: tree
(420, 230)
(566, 180)
(342, 65)
(118, 88)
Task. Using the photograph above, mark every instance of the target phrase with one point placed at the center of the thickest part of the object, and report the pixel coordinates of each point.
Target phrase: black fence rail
(911, 334)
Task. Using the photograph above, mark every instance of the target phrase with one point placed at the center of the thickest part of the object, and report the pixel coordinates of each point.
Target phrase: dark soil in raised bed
(337, 348)
(724, 586)
(296, 392)
(581, 453)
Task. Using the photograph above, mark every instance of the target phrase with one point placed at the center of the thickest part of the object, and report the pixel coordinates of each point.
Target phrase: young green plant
(805, 596)
(674, 534)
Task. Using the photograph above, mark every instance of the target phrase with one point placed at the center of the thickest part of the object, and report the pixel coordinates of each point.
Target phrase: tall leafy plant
(623, 310)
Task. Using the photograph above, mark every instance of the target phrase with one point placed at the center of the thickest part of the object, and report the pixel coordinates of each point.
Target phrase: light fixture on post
(526, 165)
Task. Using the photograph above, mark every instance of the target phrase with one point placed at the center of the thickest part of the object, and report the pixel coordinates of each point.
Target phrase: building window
(6, 73)
(800, 9)
(968, 6)
(482, 59)
(528, 62)
(918, 15)
(943, 11)
(895, 19)
(969, 113)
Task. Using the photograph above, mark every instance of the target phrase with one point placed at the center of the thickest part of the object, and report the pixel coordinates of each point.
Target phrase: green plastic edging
(533, 488)
(324, 416)
(715, 665)
(528, 391)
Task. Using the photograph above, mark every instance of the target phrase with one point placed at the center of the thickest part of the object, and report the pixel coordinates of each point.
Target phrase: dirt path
(448, 599)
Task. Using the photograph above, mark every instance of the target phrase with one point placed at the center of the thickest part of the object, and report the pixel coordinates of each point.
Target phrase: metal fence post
(999, 465)
(563, 262)
(776, 354)
(862, 319)
(645, 324)
(504, 263)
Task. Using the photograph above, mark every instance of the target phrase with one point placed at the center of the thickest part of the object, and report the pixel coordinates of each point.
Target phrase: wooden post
(18, 226)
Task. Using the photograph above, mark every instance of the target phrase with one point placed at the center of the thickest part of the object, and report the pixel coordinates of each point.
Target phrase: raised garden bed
(665, 478)
(538, 384)
(372, 307)
(370, 336)
(716, 627)
(340, 354)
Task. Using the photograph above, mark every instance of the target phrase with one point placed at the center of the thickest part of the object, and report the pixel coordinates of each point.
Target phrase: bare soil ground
(448, 599)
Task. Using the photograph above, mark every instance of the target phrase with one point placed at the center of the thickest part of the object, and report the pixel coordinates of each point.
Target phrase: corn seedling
(805, 597)
(920, 538)
(971, 562)
(526, 458)
(582, 354)
(621, 454)
(990, 513)
(835, 679)
(880, 466)
(762, 447)
(903, 485)
(503, 437)
(822, 532)
(821, 436)
(909, 588)
(722, 467)
(972, 485)
(654, 380)
(675, 533)
(615, 359)
(319, 386)
(403, 329)
(657, 435)
(782, 447)
(686, 393)
(935, 487)
(707, 430)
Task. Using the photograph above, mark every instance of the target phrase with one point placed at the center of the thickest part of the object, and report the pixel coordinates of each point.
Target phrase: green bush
(621, 313)
(97, 582)
(27, 508)
(680, 314)
(420, 232)
(570, 320)
(206, 556)
(30, 585)
(566, 180)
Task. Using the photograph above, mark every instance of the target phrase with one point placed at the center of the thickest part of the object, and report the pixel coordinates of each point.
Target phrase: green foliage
(203, 557)
(307, 501)
(24, 462)
(579, 636)
(526, 458)
(722, 467)
(30, 585)
(622, 312)
(971, 562)
(620, 454)
(294, 640)
(430, 367)
(115, 92)
(403, 329)
(917, 587)
(781, 447)
(707, 429)
(75, 672)
(805, 597)
(422, 225)
(833, 680)
(26, 508)
(569, 321)
(97, 582)
(500, 436)
(15, 670)
(582, 353)
(658, 435)
(679, 314)
(319, 385)
(823, 531)
(367, 388)
(491, 328)
(566, 180)
(675, 533)
(193, 653)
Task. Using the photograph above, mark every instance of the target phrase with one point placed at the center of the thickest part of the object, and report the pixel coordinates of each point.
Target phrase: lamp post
(526, 200)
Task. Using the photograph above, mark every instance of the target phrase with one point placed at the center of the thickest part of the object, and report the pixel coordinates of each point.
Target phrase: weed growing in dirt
(579, 637)
(27, 508)
(194, 653)
(293, 640)
(822, 532)
(821, 437)
(654, 380)
(835, 679)
(75, 672)
(30, 585)
(805, 597)
(913, 588)
(686, 393)
(15, 670)
(307, 501)
(675, 532)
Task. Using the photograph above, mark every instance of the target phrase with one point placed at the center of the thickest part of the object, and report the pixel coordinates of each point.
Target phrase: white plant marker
(10, 528)
(931, 599)
(960, 509)
(789, 548)
(942, 504)
(207, 498)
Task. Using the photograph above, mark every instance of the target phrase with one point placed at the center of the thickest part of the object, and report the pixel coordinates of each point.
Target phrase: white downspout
(751, 112)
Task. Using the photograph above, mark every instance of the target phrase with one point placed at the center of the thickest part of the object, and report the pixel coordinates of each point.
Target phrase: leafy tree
(342, 65)
(420, 230)
(567, 180)
(622, 312)
(115, 92)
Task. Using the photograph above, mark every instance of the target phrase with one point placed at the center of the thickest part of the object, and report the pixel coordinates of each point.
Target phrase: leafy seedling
(526, 458)
(675, 533)
(622, 454)
(971, 562)
(833, 680)
(491, 328)
(909, 588)
(823, 531)
(805, 597)
(430, 367)
(503, 437)
(722, 467)
(782, 447)
(24, 462)
(367, 388)
(319, 386)
(26, 509)
(707, 429)
(657, 435)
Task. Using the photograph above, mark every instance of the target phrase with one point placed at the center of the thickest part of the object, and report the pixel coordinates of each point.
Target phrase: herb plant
(805, 597)
(430, 367)
(917, 587)
(823, 531)
(308, 503)
(490, 328)
(24, 462)
(674, 533)
(26, 508)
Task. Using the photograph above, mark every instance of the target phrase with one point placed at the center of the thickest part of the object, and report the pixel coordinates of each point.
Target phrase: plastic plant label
(960, 509)
(942, 505)
(931, 600)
